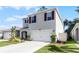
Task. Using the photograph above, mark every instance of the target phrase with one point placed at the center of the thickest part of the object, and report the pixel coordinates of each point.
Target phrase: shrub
(15, 40)
(53, 38)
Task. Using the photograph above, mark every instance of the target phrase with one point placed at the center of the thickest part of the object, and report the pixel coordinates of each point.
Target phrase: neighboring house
(75, 32)
(41, 25)
(6, 34)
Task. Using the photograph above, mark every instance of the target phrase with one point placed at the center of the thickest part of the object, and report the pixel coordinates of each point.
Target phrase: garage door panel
(7, 35)
(41, 35)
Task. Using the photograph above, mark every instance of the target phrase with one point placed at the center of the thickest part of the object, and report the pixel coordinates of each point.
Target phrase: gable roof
(38, 12)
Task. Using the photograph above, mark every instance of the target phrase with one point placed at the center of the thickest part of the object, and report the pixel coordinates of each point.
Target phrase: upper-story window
(29, 20)
(34, 19)
(24, 20)
(49, 16)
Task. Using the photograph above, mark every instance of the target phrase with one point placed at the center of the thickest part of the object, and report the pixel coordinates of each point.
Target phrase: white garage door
(7, 35)
(41, 35)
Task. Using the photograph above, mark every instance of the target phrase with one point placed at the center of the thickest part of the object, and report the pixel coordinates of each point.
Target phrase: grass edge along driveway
(69, 47)
(6, 43)
(66, 48)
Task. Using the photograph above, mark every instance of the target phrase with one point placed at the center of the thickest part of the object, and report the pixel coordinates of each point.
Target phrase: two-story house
(41, 25)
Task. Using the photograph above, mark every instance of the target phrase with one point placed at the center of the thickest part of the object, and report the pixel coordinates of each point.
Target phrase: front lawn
(5, 43)
(67, 48)
(71, 41)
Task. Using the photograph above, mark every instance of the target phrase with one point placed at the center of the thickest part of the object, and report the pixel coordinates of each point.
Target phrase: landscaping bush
(53, 38)
(15, 40)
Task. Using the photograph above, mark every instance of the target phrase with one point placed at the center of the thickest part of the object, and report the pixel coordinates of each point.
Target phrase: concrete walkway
(25, 47)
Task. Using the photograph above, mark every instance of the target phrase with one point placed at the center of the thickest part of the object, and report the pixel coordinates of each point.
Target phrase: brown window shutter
(34, 18)
(52, 15)
(29, 19)
(45, 16)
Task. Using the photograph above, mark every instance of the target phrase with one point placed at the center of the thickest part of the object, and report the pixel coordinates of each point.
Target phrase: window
(34, 19)
(29, 20)
(49, 16)
(25, 21)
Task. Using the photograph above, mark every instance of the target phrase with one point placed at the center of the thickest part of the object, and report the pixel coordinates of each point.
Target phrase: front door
(24, 35)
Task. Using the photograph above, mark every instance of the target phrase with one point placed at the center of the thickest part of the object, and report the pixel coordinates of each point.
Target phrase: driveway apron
(25, 47)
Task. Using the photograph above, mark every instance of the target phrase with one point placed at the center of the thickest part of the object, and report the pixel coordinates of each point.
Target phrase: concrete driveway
(25, 47)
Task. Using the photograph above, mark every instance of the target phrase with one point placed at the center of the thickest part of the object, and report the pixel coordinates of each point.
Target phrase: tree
(76, 20)
(42, 8)
(66, 22)
(77, 10)
(13, 32)
(71, 24)
(13, 35)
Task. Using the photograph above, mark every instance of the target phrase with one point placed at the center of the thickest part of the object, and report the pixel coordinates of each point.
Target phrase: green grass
(59, 49)
(69, 46)
(5, 43)
(71, 41)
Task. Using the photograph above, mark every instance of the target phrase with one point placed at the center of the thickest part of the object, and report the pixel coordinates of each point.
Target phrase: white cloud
(28, 7)
(2, 27)
(19, 7)
(14, 7)
(1, 7)
(16, 17)
(17, 25)
(20, 17)
(10, 19)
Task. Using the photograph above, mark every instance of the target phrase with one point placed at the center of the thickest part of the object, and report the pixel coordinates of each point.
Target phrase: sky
(12, 15)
